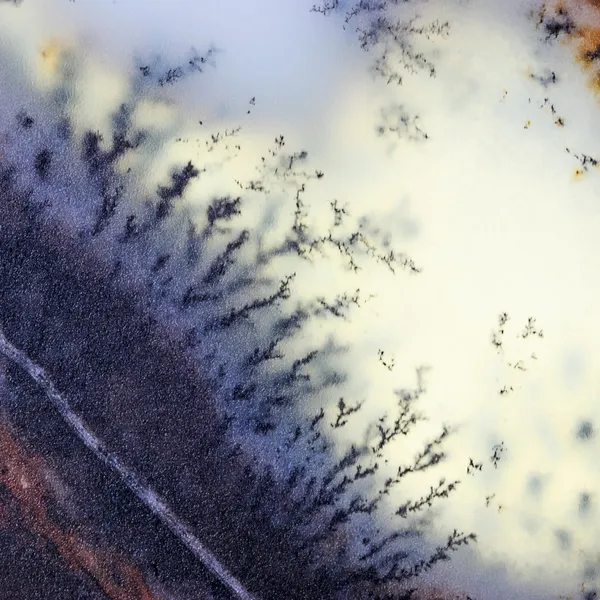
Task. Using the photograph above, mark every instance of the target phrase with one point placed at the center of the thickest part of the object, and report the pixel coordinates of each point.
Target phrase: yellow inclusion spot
(50, 55)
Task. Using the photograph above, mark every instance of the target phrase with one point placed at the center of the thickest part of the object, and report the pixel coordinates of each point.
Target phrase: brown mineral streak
(25, 476)
(586, 16)
(589, 49)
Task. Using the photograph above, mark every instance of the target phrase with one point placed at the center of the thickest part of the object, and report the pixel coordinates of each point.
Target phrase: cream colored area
(489, 206)
(88, 112)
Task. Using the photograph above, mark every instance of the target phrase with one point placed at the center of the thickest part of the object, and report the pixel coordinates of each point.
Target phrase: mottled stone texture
(134, 387)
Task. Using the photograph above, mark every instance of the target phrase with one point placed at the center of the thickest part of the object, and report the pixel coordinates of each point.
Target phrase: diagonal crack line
(158, 507)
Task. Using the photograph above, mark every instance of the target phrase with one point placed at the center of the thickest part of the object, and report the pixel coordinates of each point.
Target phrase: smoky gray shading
(585, 503)
(535, 485)
(585, 431)
(563, 539)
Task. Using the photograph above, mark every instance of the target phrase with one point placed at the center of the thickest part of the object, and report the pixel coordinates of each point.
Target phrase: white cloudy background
(490, 206)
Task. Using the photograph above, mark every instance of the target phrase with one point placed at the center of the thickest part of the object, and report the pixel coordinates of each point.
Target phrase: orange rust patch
(585, 14)
(589, 47)
(24, 475)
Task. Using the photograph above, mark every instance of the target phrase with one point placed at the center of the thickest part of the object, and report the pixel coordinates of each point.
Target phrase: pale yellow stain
(49, 56)
(48, 60)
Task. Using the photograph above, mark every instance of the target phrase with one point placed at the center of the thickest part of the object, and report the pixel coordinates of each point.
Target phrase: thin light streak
(144, 493)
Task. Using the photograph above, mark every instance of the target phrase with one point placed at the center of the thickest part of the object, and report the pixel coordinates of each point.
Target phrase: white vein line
(158, 507)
